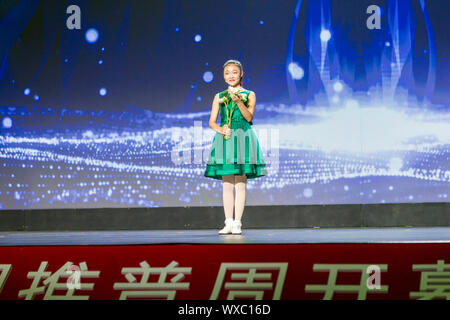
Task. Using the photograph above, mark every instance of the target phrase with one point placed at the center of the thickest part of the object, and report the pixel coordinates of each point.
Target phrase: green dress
(241, 154)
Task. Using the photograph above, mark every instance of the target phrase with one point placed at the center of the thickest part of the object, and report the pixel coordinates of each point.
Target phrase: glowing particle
(325, 35)
(296, 71)
(307, 192)
(7, 122)
(197, 38)
(91, 35)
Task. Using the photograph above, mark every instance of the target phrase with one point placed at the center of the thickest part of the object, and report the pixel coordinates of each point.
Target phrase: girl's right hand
(225, 130)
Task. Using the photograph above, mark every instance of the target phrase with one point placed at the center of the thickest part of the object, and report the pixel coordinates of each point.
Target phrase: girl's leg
(228, 195)
(240, 185)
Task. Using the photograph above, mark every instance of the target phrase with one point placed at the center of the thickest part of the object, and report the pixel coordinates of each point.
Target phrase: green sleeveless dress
(241, 154)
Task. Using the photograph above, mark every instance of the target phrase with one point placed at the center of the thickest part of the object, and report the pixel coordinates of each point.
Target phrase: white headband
(236, 62)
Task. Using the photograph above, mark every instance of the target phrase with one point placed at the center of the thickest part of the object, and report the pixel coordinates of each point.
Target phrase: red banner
(406, 271)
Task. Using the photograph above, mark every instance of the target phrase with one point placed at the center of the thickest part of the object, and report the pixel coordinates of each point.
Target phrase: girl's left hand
(236, 98)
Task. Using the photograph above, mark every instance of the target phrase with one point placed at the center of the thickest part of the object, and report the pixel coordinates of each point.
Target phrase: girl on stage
(235, 154)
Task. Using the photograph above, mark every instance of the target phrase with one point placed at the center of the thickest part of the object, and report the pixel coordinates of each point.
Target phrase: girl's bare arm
(248, 111)
(251, 105)
(214, 113)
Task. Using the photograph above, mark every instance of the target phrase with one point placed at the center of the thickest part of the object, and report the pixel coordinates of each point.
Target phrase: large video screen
(106, 103)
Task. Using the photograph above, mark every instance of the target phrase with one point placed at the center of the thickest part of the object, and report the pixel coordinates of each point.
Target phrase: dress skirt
(241, 154)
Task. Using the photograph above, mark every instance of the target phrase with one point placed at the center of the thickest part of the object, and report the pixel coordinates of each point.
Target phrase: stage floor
(249, 236)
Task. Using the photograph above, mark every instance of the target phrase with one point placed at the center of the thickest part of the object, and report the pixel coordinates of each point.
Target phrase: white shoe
(236, 229)
(228, 227)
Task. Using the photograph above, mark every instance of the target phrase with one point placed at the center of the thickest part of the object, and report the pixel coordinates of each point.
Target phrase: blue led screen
(106, 103)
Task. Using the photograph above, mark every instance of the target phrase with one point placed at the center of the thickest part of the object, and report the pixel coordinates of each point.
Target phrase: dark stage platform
(250, 236)
(193, 219)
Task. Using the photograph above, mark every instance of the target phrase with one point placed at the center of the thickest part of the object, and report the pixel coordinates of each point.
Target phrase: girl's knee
(229, 178)
(241, 178)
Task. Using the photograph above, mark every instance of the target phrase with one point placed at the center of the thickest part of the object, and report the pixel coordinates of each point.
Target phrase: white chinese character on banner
(434, 281)
(255, 283)
(146, 288)
(51, 282)
(361, 288)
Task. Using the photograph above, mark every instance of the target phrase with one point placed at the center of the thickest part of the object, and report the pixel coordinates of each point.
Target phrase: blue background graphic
(115, 114)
